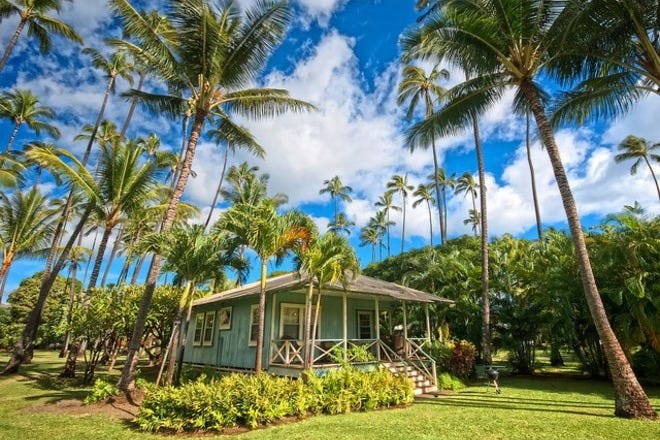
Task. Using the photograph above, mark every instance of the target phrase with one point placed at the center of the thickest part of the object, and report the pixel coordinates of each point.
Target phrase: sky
(343, 57)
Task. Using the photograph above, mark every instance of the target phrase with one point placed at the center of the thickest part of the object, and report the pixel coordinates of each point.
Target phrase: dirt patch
(118, 408)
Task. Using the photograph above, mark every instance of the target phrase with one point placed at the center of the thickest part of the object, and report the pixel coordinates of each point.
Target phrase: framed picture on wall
(224, 319)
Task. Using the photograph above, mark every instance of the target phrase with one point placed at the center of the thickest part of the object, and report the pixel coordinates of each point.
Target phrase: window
(199, 326)
(208, 329)
(364, 324)
(291, 321)
(254, 323)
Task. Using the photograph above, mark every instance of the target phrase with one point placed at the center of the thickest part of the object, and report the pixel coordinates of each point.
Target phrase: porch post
(345, 313)
(428, 323)
(377, 329)
(272, 327)
(405, 331)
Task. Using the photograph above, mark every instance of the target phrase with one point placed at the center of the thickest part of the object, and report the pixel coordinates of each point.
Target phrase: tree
(212, 56)
(399, 184)
(532, 176)
(369, 236)
(338, 191)
(328, 259)
(638, 149)
(467, 185)
(341, 226)
(424, 196)
(415, 86)
(22, 107)
(504, 44)
(445, 182)
(25, 227)
(269, 235)
(33, 13)
(386, 203)
(474, 219)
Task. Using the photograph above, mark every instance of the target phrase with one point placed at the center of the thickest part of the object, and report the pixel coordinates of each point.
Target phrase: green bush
(448, 382)
(101, 391)
(254, 400)
(441, 352)
(462, 358)
(646, 363)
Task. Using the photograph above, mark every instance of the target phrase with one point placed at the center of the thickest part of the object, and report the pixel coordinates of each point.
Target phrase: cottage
(223, 329)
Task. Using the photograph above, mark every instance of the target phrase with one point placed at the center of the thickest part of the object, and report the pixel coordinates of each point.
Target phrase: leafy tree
(33, 13)
(338, 191)
(342, 225)
(386, 203)
(399, 184)
(424, 196)
(638, 149)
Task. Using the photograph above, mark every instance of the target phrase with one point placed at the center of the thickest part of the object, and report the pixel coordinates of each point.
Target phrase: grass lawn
(529, 408)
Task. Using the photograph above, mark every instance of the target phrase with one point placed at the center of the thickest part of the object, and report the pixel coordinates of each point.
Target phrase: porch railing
(415, 355)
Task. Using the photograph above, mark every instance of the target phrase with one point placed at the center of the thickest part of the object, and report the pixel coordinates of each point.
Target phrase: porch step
(421, 385)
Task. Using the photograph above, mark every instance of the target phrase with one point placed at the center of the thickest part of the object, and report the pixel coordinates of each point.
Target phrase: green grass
(548, 407)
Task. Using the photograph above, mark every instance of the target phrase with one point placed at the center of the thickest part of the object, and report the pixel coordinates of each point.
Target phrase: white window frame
(199, 326)
(301, 315)
(370, 314)
(253, 343)
(209, 317)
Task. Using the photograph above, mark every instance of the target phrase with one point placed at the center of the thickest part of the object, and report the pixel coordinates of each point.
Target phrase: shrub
(646, 363)
(462, 358)
(101, 391)
(254, 400)
(441, 352)
(448, 382)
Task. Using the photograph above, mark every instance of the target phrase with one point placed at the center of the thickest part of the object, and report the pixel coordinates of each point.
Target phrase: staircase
(422, 384)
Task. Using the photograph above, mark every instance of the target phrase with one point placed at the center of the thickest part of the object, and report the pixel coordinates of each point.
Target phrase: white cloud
(318, 10)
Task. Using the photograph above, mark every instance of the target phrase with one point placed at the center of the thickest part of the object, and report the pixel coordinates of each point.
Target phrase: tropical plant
(338, 191)
(467, 185)
(211, 56)
(532, 176)
(341, 225)
(503, 45)
(639, 149)
(424, 196)
(415, 86)
(269, 235)
(386, 203)
(22, 107)
(33, 13)
(399, 184)
(369, 235)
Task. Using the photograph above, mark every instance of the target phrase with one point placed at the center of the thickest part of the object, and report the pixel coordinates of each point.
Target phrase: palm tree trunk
(99, 260)
(388, 235)
(26, 341)
(428, 206)
(136, 270)
(113, 253)
(184, 339)
(131, 110)
(630, 399)
(176, 334)
(69, 312)
(485, 299)
(436, 168)
(12, 138)
(262, 318)
(535, 198)
(655, 179)
(403, 226)
(308, 325)
(99, 118)
(218, 189)
(4, 284)
(444, 207)
(127, 380)
(12, 43)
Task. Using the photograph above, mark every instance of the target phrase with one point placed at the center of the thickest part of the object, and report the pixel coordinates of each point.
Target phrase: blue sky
(342, 55)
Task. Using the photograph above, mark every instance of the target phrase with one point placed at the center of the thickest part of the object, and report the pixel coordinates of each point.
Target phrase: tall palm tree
(504, 44)
(369, 236)
(532, 175)
(474, 219)
(33, 13)
(269, 235)
(11, 170)
(234, 137)
(341, 226)
(212, 56)
(445, 182)
(467, 185)
(424, 196)
(25, 227)
(386, 203)
(328, 259)
(399, 184)
(338, 191)
(381, 223)
(118, 65)
(416, 85)
(246, 186)
(639, 149)
(22, 107)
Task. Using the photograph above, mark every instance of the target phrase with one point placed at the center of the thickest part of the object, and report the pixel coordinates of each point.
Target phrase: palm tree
(639, 149)
(369, 236)
(11, 170)
(386, 203)
(245, 186)
(399, 184)
(269, 235)
(234, 137)
(507, 44)
(33, 13)
(338, 191)
(212, 56)
(445, 182)
(467, 185)
(194, 257)
(415, 86)
(424, 196)
(25, 227)
(118, 65)
(381, 224)
(341, 226)
(329, 259)
(22, 107)
(474, 219)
